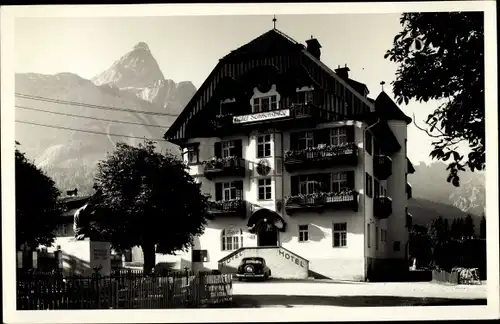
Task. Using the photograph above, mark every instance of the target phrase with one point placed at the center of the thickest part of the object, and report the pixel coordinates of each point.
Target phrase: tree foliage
(37, 204)
(482, 228)
(148, 199)
(440, 55)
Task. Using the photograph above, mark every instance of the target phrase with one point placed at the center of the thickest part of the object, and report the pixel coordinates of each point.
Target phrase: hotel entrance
(266, 224)
(267, 235)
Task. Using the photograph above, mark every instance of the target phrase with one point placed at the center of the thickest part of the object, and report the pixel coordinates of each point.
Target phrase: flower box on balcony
(227, 207)
(229, 166)
(322, 200)
(317, 157)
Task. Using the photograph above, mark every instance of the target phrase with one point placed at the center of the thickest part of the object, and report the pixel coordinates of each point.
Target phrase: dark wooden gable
(270, 49)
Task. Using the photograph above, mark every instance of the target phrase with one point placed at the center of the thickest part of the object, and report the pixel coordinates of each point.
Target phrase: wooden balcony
(233, 207)
(321, 157)
(382, 166)
(382, 207)
(322, 201)
(409, 191)
(224, 167)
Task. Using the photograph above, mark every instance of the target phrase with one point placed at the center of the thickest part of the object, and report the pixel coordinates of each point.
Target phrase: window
(308, 185)
(376, 238)
(264, 146)
(338, 136)
(303, 233)
(339, 234)
(306, 140)
(384, 191)
(232, 240)
(383, 235)
(192, 154)
(264, 104)
(228, 191)
(304, 97)
(397, 246)
(368, 235)
(199, 256)
(339, 182)
(376, 188)
(369, 185)
(368, 143)
(265, 189)
(228, 149)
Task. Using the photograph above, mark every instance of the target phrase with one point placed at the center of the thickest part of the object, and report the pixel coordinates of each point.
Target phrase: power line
(87, 131)
(81, 104)
(87, 117)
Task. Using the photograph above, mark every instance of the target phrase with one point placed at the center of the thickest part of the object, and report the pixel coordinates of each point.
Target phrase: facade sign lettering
(261, 116)
(292, 258)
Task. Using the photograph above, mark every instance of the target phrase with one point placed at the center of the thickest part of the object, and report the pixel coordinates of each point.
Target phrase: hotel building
(302, 166)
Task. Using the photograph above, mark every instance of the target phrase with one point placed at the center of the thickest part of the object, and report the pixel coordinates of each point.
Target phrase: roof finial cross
(382, 84)
(274, 22)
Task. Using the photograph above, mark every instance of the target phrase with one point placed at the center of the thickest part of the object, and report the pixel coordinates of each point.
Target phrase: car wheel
(266, 277)
(240, 279)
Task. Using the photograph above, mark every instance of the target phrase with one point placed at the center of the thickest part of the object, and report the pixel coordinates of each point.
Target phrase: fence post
(96, 276)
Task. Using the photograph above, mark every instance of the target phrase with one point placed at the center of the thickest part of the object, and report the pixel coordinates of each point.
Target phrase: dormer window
(304, 95)
(263, 104)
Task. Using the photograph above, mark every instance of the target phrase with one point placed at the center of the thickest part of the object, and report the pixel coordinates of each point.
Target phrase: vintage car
(253, 267)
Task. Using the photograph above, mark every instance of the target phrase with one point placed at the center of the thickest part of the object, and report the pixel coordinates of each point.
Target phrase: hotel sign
(268, 115)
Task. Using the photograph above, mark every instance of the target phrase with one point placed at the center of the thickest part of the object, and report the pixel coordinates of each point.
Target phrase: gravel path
(335, 289)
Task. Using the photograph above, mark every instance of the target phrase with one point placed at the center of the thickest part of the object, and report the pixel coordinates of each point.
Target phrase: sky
(187, 48)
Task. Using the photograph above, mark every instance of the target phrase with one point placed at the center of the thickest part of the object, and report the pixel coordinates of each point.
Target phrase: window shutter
(350, 179)
(238, 148)
(218, 150)
(350, 133)
(218, 191)
(294, 141)
(322, 136)
(294, 180)
(239, 189)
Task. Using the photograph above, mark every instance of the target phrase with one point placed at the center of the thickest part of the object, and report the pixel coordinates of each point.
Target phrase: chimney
(343, 72)
(314, 47)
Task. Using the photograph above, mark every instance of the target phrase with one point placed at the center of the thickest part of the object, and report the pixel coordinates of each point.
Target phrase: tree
(148, 199)
(440, 56)
(420, 245)
(37, 204)
(482, 227)
(468, 230)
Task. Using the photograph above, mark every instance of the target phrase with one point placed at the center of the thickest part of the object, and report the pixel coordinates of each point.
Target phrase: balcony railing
(224, 167)
(322, 200)
(382, 207)
(227, 207)
(409, 191)
(317, 157)
(382, 167)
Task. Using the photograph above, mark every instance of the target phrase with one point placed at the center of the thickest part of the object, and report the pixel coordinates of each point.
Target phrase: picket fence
(122, 290)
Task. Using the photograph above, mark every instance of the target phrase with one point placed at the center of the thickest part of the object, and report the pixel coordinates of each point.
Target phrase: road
(353, 294)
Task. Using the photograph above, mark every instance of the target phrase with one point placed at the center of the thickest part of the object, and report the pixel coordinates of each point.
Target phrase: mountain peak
(136, 69)
(142, 45)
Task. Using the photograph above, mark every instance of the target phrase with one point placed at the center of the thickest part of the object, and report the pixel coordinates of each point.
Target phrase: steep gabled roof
(271, 41)
(387, 109)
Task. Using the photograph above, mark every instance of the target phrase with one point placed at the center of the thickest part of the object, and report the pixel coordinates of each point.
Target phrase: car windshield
(253, 260)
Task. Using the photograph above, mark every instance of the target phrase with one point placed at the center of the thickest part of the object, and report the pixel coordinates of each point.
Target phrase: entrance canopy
(265, 216)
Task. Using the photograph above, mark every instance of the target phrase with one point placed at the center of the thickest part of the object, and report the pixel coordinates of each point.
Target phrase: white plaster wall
(396, 189)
